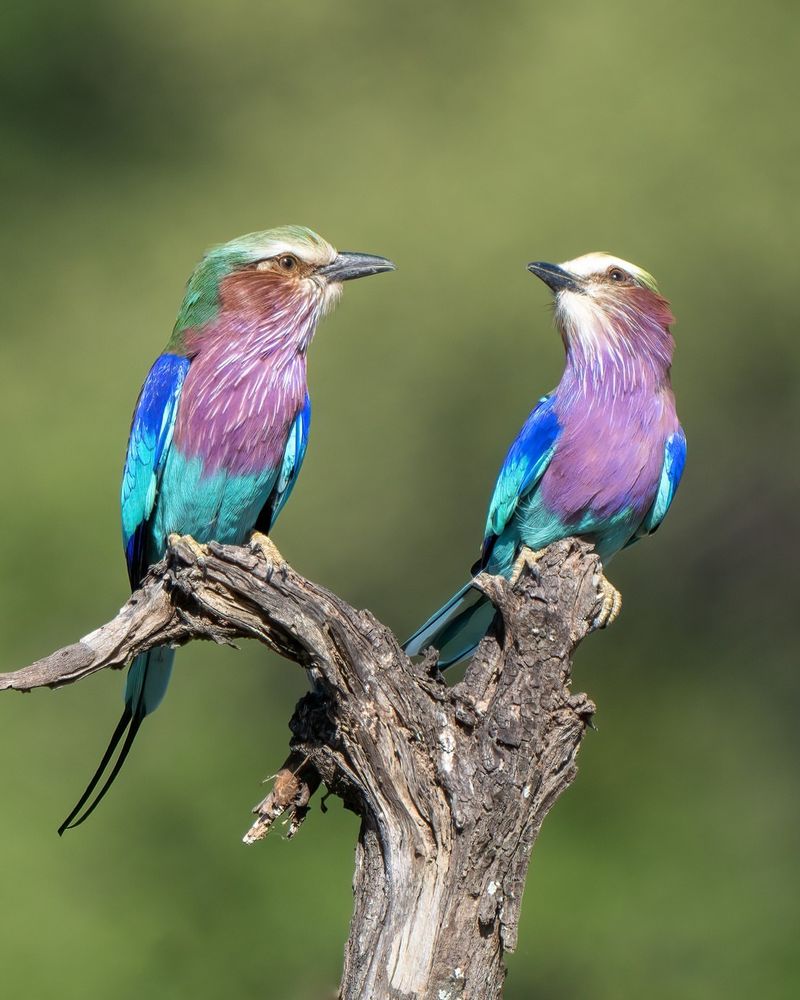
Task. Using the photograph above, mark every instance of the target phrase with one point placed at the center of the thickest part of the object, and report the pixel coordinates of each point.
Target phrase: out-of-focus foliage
(461, 140)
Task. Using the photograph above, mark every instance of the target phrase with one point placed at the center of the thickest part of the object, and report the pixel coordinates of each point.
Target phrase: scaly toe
(527, 559)
(610, 604)
(174, 538)
(268, 548)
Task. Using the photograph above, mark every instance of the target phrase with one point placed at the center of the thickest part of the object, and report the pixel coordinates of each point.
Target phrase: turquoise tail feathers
(456, 628)
(146, 686)
(148, 679)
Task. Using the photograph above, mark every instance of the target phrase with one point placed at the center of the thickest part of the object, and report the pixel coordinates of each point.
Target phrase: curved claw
(526, 560)
(610, 603)
(268, 548)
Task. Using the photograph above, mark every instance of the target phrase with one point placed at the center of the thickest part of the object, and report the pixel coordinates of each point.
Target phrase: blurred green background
(461, 140)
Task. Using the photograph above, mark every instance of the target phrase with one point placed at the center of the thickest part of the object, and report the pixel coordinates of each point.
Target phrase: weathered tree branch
(452, 783)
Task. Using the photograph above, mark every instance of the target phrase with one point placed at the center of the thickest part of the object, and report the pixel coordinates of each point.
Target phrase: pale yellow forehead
(599, 262)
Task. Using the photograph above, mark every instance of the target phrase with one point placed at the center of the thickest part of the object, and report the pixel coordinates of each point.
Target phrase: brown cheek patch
(251, 290)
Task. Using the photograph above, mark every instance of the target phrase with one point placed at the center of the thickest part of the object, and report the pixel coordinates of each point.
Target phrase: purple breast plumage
(247, 379)
(610, 452)
(239, 399)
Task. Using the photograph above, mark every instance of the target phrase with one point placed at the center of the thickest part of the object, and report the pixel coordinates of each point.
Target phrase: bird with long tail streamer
(600, 457)
(221, 425)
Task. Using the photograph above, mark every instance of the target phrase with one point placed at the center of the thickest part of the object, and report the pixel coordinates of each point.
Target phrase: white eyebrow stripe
(598, 263)
(309, 255)
(595, 263)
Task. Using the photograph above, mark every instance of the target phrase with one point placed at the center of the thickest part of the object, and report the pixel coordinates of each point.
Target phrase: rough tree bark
(452, 782)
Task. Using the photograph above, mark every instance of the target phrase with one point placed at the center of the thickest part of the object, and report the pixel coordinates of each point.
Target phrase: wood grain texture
(451, 781)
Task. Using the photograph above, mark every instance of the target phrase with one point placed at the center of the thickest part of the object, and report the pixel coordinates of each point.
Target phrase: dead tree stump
(451, 782)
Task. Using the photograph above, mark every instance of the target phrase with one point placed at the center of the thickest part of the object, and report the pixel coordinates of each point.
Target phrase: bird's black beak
(347, 266)
(555, 277)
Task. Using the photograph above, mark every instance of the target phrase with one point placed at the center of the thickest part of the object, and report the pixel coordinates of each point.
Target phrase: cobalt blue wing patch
(150, 437)
(524, 465)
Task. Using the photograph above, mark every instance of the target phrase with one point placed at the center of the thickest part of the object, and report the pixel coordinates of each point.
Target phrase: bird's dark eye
(288, 262)
(616, 274)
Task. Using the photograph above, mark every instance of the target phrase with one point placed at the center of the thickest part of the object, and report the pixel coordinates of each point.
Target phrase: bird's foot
(188, 542)
(610, 603)
(527, 560)
(264, 544)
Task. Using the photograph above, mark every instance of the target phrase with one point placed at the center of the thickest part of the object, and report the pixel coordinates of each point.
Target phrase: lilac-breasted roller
(600, 457)
(221, 425)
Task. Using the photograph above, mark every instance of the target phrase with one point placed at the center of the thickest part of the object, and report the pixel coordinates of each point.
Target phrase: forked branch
(452, 783)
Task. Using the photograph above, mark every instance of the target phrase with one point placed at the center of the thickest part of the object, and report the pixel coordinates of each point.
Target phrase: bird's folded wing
(293, 455)
(148, 444)
(671, 472)
(522, 469)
